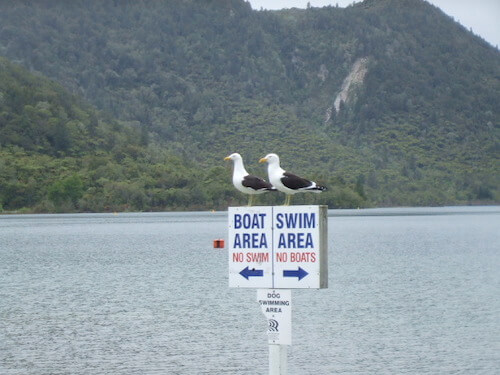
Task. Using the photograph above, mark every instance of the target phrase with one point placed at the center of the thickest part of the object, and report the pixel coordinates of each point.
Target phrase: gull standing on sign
(246, 183)
(287, 182)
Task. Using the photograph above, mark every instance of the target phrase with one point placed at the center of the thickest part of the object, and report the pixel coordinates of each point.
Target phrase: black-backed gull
(245, 182)
(287, 182)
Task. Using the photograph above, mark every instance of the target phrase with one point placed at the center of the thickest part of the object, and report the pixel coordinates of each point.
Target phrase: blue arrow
(300, 273)
(246, 273)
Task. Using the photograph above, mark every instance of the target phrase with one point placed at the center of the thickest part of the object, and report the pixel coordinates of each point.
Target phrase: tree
(67, 190)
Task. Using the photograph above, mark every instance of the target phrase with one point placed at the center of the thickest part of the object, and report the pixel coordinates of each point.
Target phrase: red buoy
(218, 244)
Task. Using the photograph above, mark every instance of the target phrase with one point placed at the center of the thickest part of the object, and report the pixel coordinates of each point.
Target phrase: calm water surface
(411, 291)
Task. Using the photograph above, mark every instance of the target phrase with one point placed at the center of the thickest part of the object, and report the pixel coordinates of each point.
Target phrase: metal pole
(277, 359)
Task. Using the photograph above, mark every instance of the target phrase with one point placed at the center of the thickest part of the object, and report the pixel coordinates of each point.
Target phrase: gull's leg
(287, 200)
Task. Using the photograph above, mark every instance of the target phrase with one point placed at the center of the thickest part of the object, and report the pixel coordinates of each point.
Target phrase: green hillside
(59, 155)
(388, 102)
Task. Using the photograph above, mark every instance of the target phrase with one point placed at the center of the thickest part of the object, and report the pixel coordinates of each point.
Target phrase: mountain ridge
(206, 79)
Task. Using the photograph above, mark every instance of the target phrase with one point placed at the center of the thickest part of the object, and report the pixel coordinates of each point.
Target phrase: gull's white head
(270, 158)
(233, 157)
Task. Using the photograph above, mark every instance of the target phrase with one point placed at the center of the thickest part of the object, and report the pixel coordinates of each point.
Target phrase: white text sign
(278, 247)
(276, 305)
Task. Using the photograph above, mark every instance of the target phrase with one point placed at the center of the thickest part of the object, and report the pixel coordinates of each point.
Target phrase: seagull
(246, 183)
(287, 182)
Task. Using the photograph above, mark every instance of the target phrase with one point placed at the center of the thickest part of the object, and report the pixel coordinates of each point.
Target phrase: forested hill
(58, 154)
(389, 99)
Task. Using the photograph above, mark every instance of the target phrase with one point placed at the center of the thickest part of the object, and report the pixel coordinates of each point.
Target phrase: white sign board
(278, 247)
(250, 247)
(276, 305)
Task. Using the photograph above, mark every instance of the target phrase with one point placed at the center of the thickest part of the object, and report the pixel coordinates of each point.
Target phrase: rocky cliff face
(353, 80)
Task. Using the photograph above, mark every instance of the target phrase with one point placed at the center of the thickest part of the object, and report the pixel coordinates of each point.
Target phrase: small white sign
(276, 305)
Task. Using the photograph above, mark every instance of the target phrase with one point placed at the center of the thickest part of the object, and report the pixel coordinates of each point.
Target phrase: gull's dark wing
(294, 182)
(256, 183)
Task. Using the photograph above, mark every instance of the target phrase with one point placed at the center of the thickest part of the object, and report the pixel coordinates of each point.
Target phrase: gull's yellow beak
(227, 158)
(263, 160)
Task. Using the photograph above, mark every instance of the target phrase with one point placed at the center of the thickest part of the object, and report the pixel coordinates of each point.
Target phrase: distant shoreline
(376, 211)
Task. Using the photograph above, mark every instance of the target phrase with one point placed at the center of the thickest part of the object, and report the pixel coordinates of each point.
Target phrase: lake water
(411, 291)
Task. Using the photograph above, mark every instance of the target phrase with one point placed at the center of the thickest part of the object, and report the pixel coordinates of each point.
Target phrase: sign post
(277, 359)
(276, 305)
(276, 249)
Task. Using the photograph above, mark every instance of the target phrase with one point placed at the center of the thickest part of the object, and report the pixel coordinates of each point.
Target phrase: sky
(482, 16)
